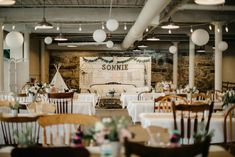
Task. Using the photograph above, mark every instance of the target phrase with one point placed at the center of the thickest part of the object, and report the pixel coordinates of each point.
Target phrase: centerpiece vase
(116, 148)
(111, 149)
(14, 112)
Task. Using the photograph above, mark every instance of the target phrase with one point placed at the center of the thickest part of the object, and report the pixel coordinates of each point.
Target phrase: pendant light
(209, 2)
(7, 2)
(60, 37)
(170, 25)
(43, 24)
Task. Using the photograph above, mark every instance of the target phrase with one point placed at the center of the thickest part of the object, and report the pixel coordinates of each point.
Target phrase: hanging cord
(110, 9)
(43, 8)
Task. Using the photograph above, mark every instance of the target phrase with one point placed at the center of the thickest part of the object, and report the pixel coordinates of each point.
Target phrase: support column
(42, 62)
(26, 54)
(218, 56)
(191, 62)
(175, 66)
(1, 59)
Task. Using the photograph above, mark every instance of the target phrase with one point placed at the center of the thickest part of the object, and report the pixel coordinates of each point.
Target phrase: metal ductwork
(151, 9)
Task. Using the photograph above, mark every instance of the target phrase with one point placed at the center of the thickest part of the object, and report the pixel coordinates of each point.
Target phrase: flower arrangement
(24, 137)
(14, 105)
(111, 92)
(112, 129)
(188, 89)
(202, 134)
(38, 88)
(163, 86)
(228, 97)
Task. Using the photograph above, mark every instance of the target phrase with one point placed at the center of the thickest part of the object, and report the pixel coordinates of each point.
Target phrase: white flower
(99, 126)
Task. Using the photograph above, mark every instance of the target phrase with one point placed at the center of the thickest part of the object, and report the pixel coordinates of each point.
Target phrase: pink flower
(124, 133)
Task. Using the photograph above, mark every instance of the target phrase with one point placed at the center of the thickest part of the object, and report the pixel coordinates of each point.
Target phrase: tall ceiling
(90, 14)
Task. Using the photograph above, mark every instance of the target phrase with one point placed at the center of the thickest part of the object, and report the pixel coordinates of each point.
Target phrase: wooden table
(214, 151)
(110, 102)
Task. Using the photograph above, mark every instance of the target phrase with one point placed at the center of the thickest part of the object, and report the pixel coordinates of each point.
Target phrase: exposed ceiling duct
(151, 9)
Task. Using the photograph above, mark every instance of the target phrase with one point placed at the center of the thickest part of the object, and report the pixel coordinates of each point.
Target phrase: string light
(147, 29)
(102, 26)
(226, 28)
(80, 28)
(169, 31)
(210, 27)
(218, 30)
(3, 27)
(191, 29)
(57, 28)
(13, 27)
(125, 27)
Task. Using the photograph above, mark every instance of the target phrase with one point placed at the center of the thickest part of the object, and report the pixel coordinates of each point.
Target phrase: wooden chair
(164, 104)
(63, 101)
(61, 126)
(182, 151)
(229, 125)
(200, 97)
(12, 126)
(50, 152)
(189, 114)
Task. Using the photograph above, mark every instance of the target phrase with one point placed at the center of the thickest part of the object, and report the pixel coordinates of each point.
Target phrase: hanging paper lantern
(112, 25)
(14, 39)
(200, 37)
(48, 40)
(173, 49)
(223, 45)
(99, 35)
(109, 44)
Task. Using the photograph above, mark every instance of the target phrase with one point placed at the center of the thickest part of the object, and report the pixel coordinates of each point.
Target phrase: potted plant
(14, 106)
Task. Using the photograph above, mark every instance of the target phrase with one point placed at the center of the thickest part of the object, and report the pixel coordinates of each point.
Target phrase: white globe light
(112, 25)
(200, 37)
(223, 46)
(99, 35)
(14, 39)
(172, 49)
(109, 44)
(48, 40)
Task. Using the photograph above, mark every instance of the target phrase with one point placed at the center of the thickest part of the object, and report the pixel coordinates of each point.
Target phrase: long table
(166, 120)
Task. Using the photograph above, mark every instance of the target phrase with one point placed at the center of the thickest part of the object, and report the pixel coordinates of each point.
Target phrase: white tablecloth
(151, 96)
(83, 107)
(166, 120)
(127, 97)
(134, 108)
(86, 97)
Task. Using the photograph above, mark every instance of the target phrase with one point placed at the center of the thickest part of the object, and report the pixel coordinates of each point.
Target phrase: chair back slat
(63, 101)
(190, 113)
(12, 126)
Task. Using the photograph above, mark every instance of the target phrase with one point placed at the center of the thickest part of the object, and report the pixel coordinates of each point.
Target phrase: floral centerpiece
(38, 89)
(112, 129)
(111, 92)
(163, 86)
(228, 97)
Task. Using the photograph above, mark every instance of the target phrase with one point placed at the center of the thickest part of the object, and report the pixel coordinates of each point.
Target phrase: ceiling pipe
(205, 7)
(167, 16)
(151, 9)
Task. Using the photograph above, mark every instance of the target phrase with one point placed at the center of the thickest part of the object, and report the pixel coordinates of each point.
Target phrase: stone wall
(162, 67)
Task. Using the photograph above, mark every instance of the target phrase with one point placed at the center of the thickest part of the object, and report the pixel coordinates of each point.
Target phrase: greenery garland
(111, 61)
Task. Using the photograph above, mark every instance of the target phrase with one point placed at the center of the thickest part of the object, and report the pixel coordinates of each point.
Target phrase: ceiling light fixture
(201, 49)
(125, 27)
(72, 45)
(218, 30)
(13, 27)
(80, 27)
(136, 49)
(7, 2)
(3, 27)
(170, 25)
(142, 46)
(191, 29)
(210, 27)
(60, 37)
(169, 31)
(147, 29)
(57, 28)
(209, 2)
(102, 26)
(226, 28)
(153, 39)
(43, 24)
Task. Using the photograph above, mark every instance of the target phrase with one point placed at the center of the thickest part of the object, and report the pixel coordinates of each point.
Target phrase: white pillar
(191, 62)
(218, 56)
(175, 66)
(42, 62)
(1, 59)
(26, 54)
